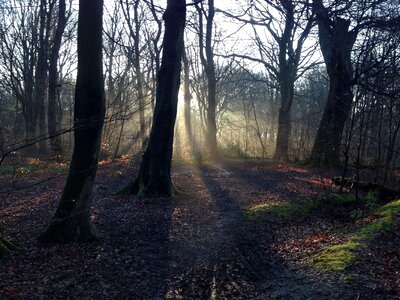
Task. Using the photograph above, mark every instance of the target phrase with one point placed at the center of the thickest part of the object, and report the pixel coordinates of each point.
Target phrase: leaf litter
(197, 245)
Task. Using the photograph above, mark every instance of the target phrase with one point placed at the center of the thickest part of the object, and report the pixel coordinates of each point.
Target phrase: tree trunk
(41, 77)
(52, 122)
(212, 86)
(142, 106)
(29, 109)
(154, 177)
(187, 103)
(209, 67)
(326, 150)
(136, 36)
(2, 140)
(211, 121)
(71, 221)
(284, 126)
(336, 45)
(139, 75)
(258, 130)
(30, 131)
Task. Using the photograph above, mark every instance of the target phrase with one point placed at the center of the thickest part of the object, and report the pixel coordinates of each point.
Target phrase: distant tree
(187, 103)
(71, 221)
(19, 42)
(309, 100)
(154, 176)
(207, 60)
(52, 122)
(134, 24)
(284, 57)
(339, 25)
(154, 40)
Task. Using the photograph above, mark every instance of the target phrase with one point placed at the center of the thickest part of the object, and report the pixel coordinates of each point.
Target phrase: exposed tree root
(69, 230)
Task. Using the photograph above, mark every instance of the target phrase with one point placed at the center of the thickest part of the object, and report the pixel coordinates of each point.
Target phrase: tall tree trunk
(211, 120)
(41, 76)
(142, 106)
(139, 75)
(284, 126)
(155, 170)
(336, 45)
(29, 107)
(258, 130)
(136, 36)
(71, 221)
(212, 86)
(187, 103)
(52, 122)
(287, 62)
(209, 66)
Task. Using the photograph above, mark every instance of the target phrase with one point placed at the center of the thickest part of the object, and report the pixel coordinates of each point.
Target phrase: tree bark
(139, 74)
(284, 126)
(154, 178)
(52, 122)
(41, 76)
(187, 103)
(29, 107)
(134, 30)
(71, 222)
(336, 45)
(209, 67)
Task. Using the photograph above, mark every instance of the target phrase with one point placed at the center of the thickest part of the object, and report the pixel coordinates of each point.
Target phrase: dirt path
(224, 256)
(194, 246)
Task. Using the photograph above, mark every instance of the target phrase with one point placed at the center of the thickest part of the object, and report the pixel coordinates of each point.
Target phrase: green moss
(371, 200)
(389, 209)
(369, 231)
(279, 211)
(384, 223)
(338, 257)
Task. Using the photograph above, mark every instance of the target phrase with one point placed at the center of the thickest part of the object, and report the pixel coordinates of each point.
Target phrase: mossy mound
(280, 211)
(340, 257)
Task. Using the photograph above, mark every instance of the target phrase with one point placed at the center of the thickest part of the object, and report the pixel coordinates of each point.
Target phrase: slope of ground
(198, 245)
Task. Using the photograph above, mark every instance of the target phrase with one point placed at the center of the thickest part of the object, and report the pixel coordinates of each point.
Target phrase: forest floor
(211, 241)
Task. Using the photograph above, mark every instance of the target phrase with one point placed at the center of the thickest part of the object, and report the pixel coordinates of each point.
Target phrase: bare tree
(52, 120)
(207, 60)
(337, 38)
(155, 170)
(71, 221)
(283, 56)
(135, 23)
